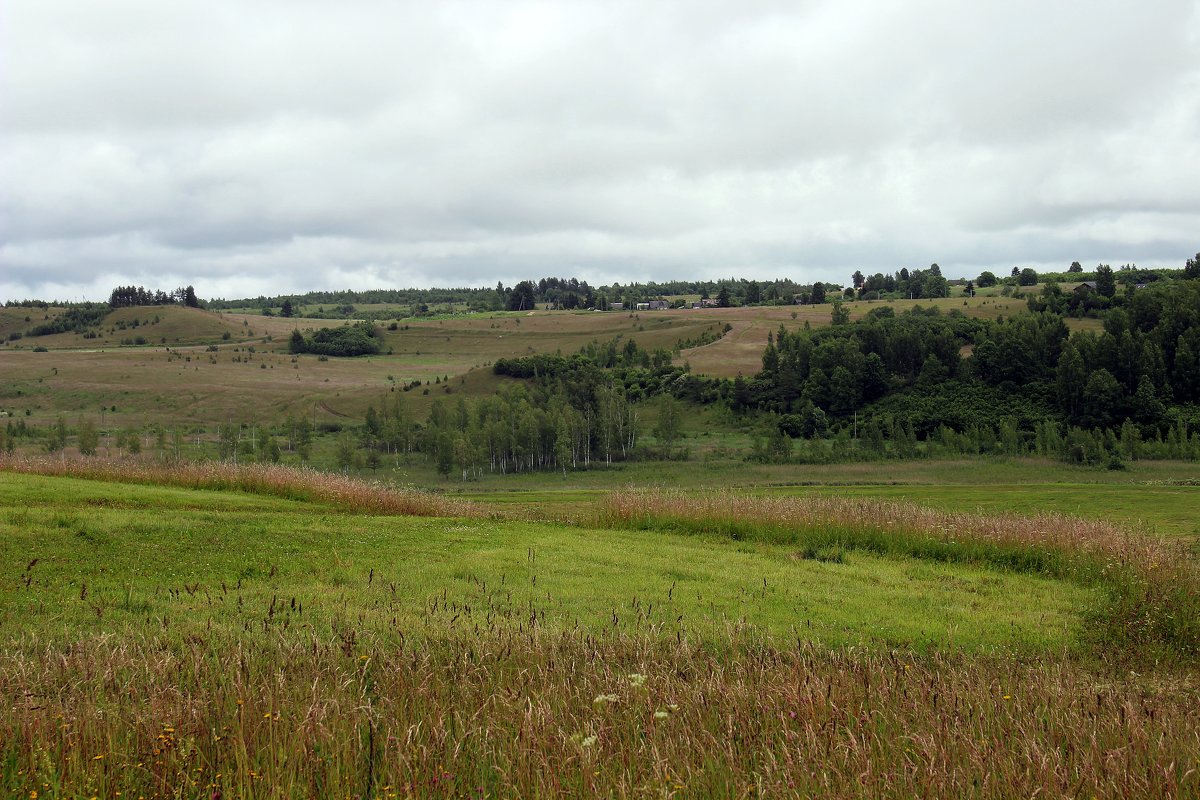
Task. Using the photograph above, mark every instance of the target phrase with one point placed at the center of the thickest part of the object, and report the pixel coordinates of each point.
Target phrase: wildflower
(606, 698)
(661, 715)
(588, 741)
(637, 680)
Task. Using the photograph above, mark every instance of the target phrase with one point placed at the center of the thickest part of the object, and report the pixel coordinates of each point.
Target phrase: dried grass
(523, 715)
(295, 483)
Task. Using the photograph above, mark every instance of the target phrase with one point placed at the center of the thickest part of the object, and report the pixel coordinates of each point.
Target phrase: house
(643, 306)
(658, 305)
(1086, 287)
(616, 306)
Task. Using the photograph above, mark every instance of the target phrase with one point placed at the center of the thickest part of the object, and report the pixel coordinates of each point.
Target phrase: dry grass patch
(568, 714)
(293, 483)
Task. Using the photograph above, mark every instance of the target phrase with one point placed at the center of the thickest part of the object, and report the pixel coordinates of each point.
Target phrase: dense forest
(931, 373)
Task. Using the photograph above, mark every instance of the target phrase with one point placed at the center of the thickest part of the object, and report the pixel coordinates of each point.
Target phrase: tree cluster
(932, 370)
(76, 319)
(522, 430)
(126, 296)
(917, 284)
(349, 340)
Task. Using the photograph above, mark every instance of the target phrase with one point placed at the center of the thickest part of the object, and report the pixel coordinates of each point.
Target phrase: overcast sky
(268, 146)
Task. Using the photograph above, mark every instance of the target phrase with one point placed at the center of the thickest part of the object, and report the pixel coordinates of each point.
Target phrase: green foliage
(841, 314)
(669, 424)
(349, 340)
(89, 438)
(1192, 270)
(76, 319)
(1106, 285)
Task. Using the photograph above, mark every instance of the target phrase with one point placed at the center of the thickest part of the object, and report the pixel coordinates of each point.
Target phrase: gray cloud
(285, 146)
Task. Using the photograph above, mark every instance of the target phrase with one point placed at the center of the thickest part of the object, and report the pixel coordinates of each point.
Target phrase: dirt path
(326, 407)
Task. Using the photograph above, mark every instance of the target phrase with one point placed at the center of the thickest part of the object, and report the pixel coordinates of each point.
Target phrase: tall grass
(1151, 605)
(292, 483)
(523, 714)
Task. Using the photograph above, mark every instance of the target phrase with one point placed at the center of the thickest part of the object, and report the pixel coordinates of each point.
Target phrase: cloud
(275, 147)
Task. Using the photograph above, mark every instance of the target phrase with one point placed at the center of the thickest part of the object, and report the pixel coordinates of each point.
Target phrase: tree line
(126, 296)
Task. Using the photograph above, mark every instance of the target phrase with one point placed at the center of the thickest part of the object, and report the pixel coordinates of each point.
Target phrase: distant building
(658, 305)
(643, 306)
(1085, 287)
(616, 306)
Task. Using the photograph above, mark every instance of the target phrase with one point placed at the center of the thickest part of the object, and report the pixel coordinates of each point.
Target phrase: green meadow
(109, 557)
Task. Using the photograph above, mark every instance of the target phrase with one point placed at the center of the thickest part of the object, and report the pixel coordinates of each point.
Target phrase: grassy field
(185, 562)
(144, 356)
(166, 635)
(1159, 496)
(189, 373)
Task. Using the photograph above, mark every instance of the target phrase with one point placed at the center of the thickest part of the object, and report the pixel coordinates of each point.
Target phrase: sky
(282, 146)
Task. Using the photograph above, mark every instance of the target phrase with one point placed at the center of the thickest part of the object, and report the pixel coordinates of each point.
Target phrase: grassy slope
(139, 549)
(78, 375)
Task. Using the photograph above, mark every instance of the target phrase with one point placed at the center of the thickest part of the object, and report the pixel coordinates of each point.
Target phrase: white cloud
(286, 146)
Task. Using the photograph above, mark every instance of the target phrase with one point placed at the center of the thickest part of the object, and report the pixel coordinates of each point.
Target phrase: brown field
(183, 382)
(174, 379)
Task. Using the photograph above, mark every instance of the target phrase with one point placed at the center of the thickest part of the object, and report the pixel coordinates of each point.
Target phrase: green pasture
(1150, 495)
(94, 557)
(1162, 509)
